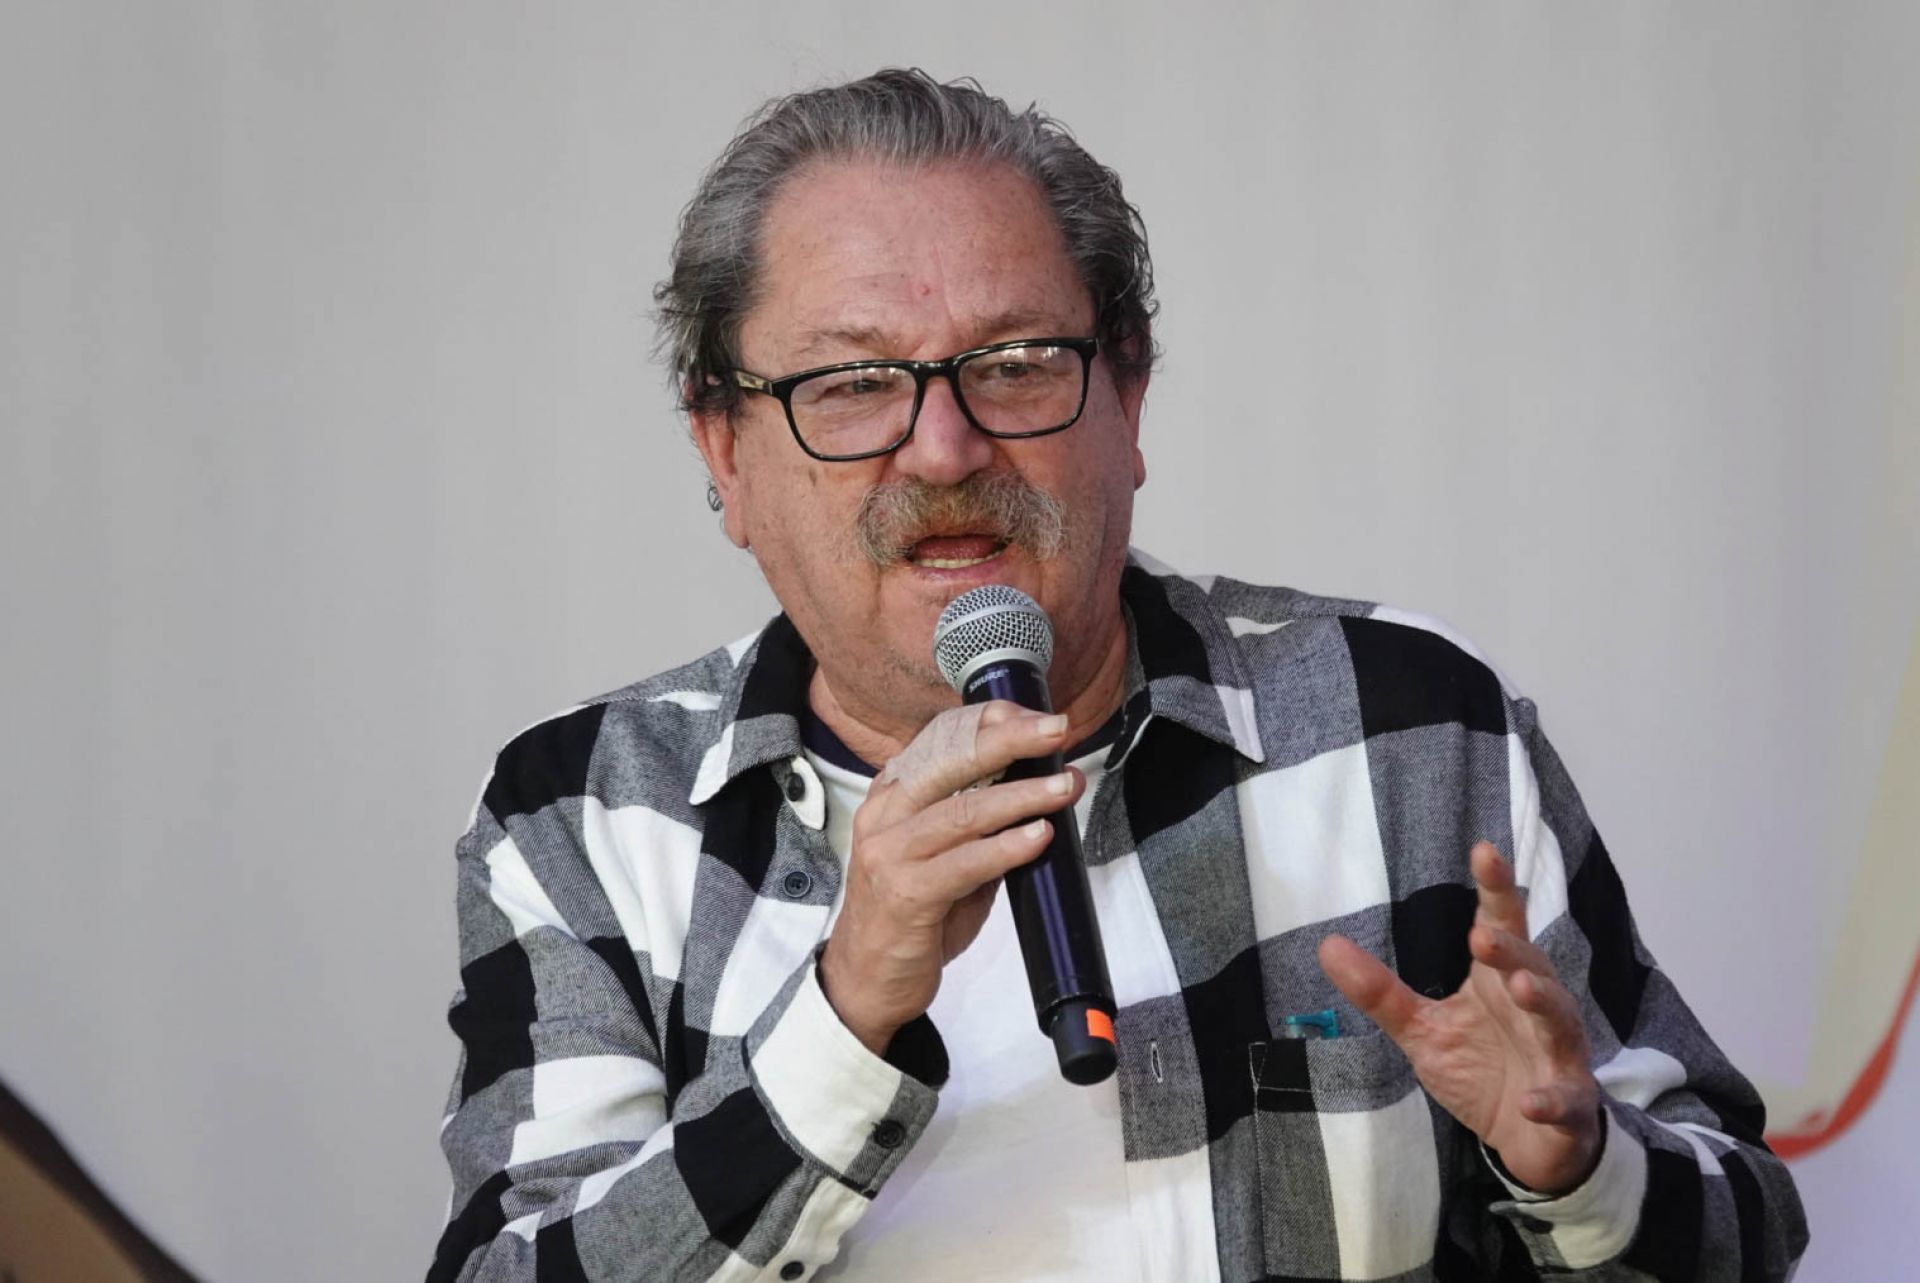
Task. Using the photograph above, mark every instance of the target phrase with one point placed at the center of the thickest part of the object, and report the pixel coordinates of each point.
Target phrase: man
(717, 979)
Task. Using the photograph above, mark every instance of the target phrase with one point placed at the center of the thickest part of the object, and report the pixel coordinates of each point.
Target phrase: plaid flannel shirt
(652, 1085)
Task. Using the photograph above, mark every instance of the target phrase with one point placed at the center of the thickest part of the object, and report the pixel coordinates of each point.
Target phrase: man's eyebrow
(863, 340)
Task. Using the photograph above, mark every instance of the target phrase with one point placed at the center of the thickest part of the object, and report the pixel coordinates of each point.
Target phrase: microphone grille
(990, 619)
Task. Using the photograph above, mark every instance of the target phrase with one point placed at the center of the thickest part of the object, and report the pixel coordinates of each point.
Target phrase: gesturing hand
(1506, 1054)
(927, 858)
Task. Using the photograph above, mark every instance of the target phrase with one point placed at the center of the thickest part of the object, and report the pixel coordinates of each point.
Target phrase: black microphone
(996, 643)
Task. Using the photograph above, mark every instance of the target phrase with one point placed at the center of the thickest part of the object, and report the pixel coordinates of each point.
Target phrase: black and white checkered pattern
(652, 1085)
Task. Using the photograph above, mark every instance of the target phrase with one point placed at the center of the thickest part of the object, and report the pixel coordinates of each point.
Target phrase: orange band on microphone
(1099, 1024)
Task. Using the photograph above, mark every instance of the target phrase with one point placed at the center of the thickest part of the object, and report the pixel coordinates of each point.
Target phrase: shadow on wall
(55, 1223)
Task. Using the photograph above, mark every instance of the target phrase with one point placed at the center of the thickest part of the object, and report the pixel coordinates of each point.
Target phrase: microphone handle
(1053, 907)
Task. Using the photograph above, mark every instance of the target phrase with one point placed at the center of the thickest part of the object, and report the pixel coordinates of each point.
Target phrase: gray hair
(904, 117)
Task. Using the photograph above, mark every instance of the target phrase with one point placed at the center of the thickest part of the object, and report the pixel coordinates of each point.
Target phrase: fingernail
(1060, 785)
(1055, 725)
(1035, 829)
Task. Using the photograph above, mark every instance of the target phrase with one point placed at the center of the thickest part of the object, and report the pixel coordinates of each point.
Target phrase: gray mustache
(895, 515)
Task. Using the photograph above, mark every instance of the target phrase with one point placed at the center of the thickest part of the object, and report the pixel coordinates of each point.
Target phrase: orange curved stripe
(1822, 1127)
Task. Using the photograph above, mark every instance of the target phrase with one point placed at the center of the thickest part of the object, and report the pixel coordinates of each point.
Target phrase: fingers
(977, 813)
(1500, 902)
(1505, 951)
(1369, 985)
(945, 853)
(1530, 980)
(960, 747)
(905, 916)
(923, 850)
(958, 873)
(1555, 1016)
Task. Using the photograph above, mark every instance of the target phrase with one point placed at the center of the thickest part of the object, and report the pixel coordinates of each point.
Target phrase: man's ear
(1131, 388)
(713, 433)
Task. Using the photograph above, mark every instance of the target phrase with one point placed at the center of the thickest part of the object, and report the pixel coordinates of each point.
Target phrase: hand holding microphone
(929, 849)
(928, 852)
(995, 643)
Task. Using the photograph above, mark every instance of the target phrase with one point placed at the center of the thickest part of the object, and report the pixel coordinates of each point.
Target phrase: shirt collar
(758, 709)
(1182, 665)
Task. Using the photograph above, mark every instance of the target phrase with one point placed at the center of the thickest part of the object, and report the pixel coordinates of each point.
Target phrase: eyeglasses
(859, 409)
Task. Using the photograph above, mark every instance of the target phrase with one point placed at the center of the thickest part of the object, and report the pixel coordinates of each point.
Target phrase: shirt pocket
(1348, 1170)
(1328, 1075)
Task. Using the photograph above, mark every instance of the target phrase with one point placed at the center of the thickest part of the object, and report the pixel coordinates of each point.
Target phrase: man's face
(863, 259)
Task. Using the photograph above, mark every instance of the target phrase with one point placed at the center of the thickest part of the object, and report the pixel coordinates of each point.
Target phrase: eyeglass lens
(1012, 390)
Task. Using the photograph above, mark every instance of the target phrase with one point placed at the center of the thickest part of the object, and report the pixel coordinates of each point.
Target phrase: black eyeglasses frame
(781, 389)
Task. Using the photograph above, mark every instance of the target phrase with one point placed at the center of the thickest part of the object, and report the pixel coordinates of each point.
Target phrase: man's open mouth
(955, 552)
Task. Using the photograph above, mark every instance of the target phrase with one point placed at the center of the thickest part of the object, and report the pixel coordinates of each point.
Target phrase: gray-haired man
(719, 970)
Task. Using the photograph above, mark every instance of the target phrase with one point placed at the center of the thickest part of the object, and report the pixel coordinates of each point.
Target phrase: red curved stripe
(1820, 1127)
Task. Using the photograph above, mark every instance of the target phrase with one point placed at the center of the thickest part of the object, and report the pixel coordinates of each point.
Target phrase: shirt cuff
(1591, 1223)
(850, 1110)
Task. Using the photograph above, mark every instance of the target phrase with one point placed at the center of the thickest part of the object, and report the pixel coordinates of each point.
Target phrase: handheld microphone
(995, 642)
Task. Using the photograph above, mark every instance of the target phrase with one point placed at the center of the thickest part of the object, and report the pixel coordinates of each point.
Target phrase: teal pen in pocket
(1314, 1024)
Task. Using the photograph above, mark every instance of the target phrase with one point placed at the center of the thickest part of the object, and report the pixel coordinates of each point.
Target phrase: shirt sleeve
(1685, 1188)
(573, 1156)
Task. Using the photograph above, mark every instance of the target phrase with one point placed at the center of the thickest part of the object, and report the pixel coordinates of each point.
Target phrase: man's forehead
(867, 256)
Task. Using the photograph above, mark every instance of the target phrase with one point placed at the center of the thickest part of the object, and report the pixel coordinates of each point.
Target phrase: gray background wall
(333, 454)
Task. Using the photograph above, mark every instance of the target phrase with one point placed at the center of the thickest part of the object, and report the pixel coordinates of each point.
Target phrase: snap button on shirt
(806, 796)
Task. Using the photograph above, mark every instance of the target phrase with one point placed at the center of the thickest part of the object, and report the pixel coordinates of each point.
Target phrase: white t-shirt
(1021, 1174)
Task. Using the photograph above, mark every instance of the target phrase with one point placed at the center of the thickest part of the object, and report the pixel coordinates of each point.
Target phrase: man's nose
(945, 449)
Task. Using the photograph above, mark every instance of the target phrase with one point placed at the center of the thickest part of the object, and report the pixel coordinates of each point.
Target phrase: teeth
(953, 563)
